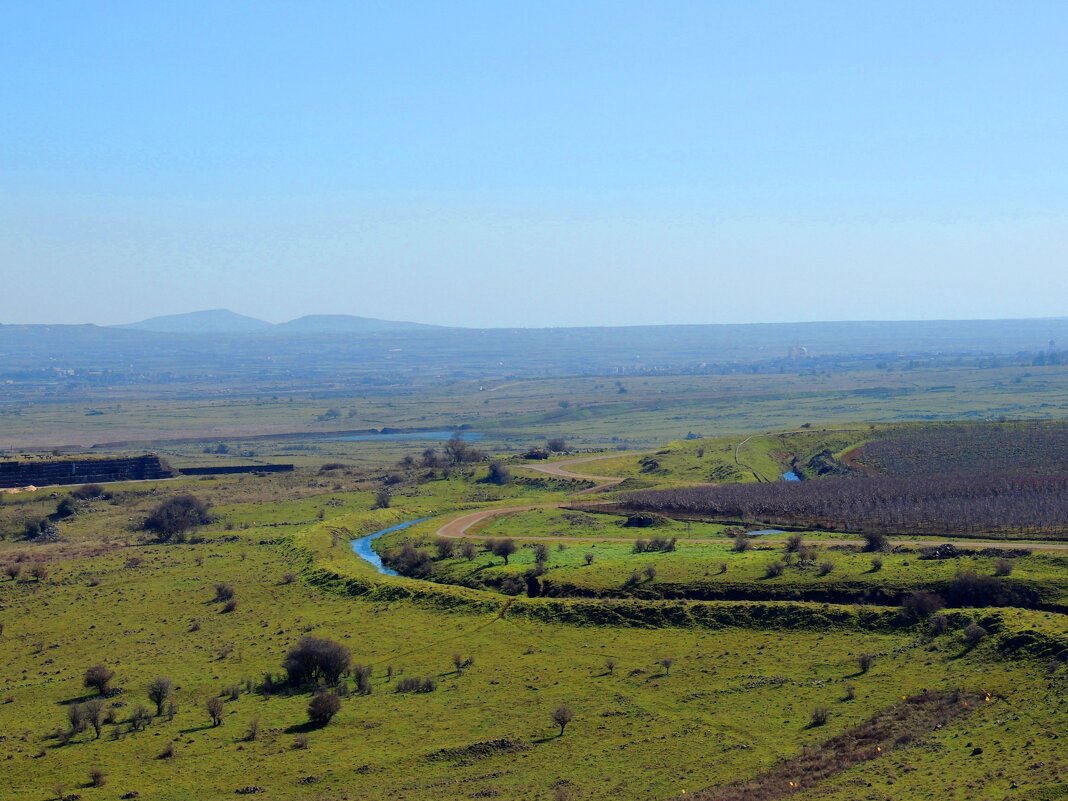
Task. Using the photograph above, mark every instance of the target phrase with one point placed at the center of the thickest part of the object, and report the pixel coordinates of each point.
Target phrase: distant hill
(213, 321)
(345, 324)
(224, 321)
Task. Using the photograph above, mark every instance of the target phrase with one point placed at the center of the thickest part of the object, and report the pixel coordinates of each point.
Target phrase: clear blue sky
(534, 163)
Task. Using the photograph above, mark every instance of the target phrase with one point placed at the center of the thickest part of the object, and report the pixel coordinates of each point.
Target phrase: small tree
(446, 547)
(176, 516)
(458, 663)
(468, 550)
(562, 715)
(98, 678)
(159, 691)
(94, 714)
(820, 715)
(504, 548)
(588, 557)
(314, 658)
(610, 666)
(865, 661)
(556, 444)
(741, 542)
(666, 664)
(323, 706)
(383, 498)
(215, 710)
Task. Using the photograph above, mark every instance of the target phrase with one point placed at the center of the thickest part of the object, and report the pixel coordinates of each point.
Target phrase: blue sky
(534, 163)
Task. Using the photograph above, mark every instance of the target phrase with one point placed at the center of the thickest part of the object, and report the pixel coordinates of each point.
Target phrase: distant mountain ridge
(224, 321)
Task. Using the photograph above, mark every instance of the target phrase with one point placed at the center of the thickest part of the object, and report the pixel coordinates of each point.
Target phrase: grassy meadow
(671, 696)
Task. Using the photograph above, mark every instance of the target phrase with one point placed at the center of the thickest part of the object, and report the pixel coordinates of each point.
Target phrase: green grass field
(737, 696)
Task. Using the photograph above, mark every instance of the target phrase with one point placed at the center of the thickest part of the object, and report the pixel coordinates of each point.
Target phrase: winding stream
(362, 546)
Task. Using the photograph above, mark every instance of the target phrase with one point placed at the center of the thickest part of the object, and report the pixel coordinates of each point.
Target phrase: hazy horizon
(487, 166)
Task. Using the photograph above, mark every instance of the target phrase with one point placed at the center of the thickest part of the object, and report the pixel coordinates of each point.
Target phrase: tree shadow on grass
(194, 729)
(303, 728)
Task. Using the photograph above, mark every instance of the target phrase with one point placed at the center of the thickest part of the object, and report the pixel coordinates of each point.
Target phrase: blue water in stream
(362, 546)
(790, 475)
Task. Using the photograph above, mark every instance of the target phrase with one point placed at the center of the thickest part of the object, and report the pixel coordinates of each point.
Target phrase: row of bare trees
(956, 504)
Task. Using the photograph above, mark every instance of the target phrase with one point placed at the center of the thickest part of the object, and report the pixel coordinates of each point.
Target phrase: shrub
(76, 719)
(175, 517)
(97, 778)
(12, 570)
(850, 693)
(498, 474)
(921, 604)
(289, 578)
(793, 543)
(214, 707)
(875, 541)
(362, 674)
(773, 569)
(826, 566)
(446, 547)
(229, 606)
(252, 733)
(741, 542)
(666, 664)
(409, 561)
(974, 634)
(300, 742)
(98, 678)
(876, 564)
(650, 572)
(139, 718)
(1002, 567)
(468, 550)
(820, 715)
(561, 716)
(383, 498)
(411, 684)
(323, 706)
(557, 444)
(314, 658)
(610, 666)
(169, 752)
(937, 625)
(865, 661)
(588, 558)
(88, 492)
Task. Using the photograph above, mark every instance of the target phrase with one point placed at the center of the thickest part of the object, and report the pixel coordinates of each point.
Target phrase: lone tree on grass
(98, 678)
(562, 715)
(159, 691)
(215, 710)
(314, 658)
(94, 714)
(666, 664)
(175, 517)
(504, 548)
(323, 706)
